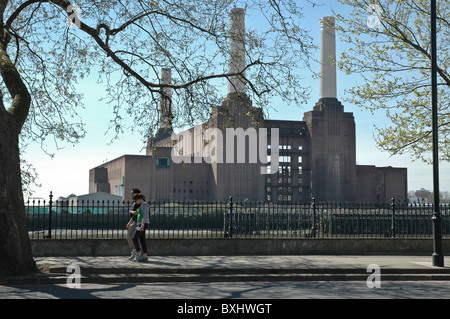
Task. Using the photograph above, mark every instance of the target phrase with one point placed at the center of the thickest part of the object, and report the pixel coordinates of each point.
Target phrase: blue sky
(68, 171)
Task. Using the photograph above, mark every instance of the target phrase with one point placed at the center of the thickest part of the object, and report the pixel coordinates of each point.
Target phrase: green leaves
(394, 62)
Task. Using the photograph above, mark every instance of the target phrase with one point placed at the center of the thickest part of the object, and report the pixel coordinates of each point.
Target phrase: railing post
(393, 218)
(231, 218)
(50, 204)
(313, 229)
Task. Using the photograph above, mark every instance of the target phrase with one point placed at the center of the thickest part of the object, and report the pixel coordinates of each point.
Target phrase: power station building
(238, 153)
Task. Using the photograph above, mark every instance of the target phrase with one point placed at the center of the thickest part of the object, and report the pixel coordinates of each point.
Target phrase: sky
(68, 171)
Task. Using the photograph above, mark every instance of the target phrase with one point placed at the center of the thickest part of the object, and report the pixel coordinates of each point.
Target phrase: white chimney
(328, 87)
(165, 110)
(237, 51)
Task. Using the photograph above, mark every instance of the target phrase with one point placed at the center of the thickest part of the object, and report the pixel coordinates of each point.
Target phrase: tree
(127, 42)
(390, 48)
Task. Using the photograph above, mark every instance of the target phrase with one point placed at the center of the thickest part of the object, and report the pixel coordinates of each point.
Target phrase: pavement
(118, 269)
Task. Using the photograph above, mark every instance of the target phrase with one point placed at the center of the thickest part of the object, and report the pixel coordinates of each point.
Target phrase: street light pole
(437, 257)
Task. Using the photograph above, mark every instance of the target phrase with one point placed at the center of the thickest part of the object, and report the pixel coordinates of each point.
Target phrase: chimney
(165, 108)
(236, 62)
(328, 58)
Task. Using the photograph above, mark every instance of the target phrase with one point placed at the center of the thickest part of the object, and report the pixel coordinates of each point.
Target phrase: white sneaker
(133, 255)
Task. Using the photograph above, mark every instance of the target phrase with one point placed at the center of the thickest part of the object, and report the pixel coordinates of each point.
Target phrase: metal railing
(104, 219)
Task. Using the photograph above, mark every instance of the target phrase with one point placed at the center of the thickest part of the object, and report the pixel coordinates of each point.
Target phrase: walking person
(143, 220)
(132, 223)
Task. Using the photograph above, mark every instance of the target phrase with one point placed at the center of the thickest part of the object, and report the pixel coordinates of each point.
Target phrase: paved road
(234, 290)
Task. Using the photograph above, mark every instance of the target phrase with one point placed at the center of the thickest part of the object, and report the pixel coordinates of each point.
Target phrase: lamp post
(437, 257)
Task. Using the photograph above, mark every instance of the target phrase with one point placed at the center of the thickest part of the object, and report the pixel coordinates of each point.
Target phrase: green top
(139, 215)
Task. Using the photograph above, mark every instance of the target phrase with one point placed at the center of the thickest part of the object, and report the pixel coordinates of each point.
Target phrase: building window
(284, 147)
(285, 159)
(119, 190)
(162, 162)
(286, 170)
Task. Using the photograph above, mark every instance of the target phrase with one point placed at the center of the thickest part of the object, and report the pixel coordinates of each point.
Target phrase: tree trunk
(15, 246)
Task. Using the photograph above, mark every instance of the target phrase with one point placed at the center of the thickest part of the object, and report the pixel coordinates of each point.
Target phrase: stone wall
(224, 247)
